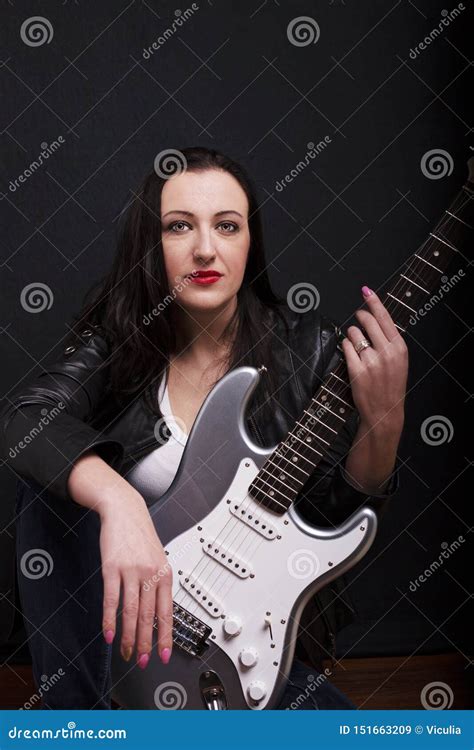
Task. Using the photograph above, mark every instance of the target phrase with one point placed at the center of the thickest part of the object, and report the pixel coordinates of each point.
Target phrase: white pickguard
(277, 564)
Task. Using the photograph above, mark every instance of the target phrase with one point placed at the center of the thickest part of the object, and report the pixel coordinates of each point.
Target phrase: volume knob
(248, 657)
(257, 690)
(232, 625)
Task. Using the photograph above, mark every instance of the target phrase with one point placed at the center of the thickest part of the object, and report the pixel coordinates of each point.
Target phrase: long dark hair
(133, 303)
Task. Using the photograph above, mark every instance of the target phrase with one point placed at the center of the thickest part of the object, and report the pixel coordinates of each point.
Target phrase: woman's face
(204, 219)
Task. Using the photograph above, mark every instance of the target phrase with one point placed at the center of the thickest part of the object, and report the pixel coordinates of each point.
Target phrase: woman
(157, 323)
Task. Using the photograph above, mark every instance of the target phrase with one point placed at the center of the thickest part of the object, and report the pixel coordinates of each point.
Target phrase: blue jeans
(61, 594)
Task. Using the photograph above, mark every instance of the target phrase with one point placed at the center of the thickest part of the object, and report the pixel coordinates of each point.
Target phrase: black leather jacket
(80, 416)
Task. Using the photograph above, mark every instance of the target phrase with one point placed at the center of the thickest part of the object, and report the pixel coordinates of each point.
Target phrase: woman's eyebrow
(189, 213)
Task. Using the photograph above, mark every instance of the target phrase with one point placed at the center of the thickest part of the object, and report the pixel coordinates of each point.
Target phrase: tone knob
(257, 690)
(232, 625)
(248, 657)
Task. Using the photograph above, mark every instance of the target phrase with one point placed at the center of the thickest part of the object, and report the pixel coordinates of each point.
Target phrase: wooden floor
(376, 683)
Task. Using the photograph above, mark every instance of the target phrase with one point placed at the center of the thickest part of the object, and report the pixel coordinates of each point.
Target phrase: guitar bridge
(189, 632)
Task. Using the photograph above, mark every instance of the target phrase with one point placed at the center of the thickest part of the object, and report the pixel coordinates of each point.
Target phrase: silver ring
(362, 344)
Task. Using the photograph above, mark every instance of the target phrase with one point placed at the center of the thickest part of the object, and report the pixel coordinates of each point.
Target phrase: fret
(285, 474)
(313, 416)
(329, 410)
(292, 463)
(414, 282)
(297, 454)
(458, 219)
(335, 394)
(440, 239)
(401, 329)
(401, 303)
(307, 444)
(333, 375)
(259, 478)
(427, 261)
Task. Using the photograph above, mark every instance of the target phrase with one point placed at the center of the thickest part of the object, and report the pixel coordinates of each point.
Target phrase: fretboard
(419, 285)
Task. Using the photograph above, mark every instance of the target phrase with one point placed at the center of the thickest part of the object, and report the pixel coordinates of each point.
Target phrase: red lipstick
(204, 277)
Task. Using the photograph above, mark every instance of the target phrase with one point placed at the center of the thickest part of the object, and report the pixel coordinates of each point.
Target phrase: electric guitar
(244, 562)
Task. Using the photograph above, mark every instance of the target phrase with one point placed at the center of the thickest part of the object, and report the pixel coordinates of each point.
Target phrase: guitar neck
(287, 469)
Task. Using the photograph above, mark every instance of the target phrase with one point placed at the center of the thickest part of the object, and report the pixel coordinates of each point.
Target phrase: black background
(229, 78)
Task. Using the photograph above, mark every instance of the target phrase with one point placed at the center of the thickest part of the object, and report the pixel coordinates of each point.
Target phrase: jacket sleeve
(44, 424)
(330, 496)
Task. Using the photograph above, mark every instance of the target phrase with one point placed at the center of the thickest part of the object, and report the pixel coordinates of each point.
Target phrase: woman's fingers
(111, 579)
(146, 618)
(164, 611)
(131, 601)
(380, 313)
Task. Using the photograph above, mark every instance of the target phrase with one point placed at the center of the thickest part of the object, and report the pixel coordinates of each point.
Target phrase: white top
(153, 474)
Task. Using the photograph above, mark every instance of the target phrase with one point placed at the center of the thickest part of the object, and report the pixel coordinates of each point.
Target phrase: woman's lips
(204, 279)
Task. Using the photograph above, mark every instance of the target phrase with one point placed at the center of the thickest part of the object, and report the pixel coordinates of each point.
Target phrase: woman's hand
(378, 374)
(133, 557)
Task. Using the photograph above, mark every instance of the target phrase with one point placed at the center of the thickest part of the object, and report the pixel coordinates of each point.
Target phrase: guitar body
(242, 573)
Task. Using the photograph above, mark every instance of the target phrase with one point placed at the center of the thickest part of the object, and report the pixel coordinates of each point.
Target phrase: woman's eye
(176, 225)
(233, 227)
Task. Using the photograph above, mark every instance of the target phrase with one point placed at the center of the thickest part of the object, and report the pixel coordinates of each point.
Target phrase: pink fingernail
(109, 636)
(165, 655)
(143, 660)
(366, 291)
